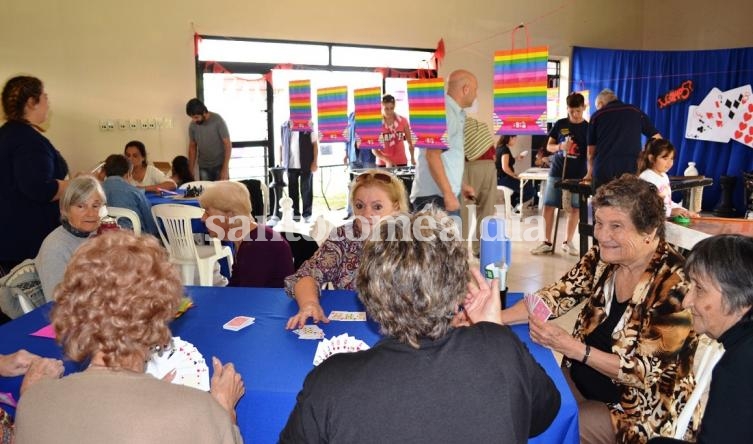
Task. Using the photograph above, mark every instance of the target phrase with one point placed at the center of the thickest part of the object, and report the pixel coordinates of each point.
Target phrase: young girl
(654, 162)
(181, 172)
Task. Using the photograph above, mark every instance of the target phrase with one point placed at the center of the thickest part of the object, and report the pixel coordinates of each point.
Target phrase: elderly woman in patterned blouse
(629, 358)
(374, 194)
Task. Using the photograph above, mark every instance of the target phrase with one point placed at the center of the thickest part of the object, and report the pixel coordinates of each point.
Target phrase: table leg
(585, 230)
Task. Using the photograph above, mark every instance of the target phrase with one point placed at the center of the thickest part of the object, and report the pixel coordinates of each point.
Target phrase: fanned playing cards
(343, 343)
(188, 362)
(537, 307)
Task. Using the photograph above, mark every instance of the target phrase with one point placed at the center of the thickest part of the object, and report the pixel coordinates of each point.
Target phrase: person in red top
(395, 134)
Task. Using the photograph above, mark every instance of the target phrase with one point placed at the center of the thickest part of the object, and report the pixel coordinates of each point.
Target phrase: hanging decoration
(679, 94)
(300, 105)
(332, 113)
(368, 103)
(520, 84)
(427, 113)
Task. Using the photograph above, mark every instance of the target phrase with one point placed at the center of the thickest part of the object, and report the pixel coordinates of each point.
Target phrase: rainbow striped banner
(368, 103)
(300, 105)
(427, 113)
(520, 83)
(332, 113)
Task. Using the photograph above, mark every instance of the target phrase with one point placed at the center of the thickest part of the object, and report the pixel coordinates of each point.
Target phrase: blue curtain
(641, 77)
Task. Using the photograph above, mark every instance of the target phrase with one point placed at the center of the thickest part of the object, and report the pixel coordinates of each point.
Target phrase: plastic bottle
(696, 194)
(494, 245)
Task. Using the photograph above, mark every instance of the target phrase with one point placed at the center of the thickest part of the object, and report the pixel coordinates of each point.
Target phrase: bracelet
(588, 353)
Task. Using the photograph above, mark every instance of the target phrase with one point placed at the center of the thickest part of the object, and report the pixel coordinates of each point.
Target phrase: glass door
(244, 101)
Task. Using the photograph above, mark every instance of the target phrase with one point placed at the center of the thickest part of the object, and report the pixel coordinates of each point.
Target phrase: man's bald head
(462, 86)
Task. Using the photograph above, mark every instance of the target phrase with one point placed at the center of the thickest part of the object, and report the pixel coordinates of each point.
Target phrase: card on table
(309, 332)
(238, 323)
(336, 315)
(8, 399)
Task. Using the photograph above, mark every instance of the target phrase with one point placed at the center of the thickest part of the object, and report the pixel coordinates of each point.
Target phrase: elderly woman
(425, 381)
(629, 357)
(143, 174)
(262, 257)
(80, 215)
(32, 172)
(103, 319)
(373, 195)
(720, 299)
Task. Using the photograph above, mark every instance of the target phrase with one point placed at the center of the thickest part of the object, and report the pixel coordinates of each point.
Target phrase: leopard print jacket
(654, 339)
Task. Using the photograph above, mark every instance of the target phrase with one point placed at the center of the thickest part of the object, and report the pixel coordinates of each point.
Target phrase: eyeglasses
(382, 177)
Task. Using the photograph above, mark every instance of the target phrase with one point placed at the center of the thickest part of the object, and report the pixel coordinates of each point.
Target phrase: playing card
(733, 101)
(309, 332)
(336, 315)
(536, 306)
(743, 131)
(343, 343)
(698, 127)
(238, 323)
(183, 357)
(707, 119)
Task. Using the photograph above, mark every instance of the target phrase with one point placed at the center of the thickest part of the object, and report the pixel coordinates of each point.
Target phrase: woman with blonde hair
(101, 318)
(262, 257)
(374, 194)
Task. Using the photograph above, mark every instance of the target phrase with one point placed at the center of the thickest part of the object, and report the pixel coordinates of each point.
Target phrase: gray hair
(79, 190)
(227, 196)
(605, 96)
(726, 259)
(413, 275)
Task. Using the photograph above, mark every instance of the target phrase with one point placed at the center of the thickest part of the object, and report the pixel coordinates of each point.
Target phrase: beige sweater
(103, 406)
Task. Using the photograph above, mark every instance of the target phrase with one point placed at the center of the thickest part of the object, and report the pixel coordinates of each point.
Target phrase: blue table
(273, 361)
(158, 198)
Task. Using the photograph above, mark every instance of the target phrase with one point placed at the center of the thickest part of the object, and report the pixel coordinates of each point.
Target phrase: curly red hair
(117, 296)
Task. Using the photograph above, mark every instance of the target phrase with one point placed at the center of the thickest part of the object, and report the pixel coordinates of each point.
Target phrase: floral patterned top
(654, 339)
(336, 261)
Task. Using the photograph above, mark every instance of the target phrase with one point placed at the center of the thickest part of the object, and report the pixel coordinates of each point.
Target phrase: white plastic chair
(174, 224)
(507, 192)
(197, 183)
(711, 354)
(118, 212)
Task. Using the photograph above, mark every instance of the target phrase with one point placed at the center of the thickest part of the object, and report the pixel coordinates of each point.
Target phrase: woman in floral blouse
(629, 359)
(374, 194)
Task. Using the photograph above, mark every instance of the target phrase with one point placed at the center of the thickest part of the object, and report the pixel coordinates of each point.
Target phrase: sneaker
(569, 248)
(543, 248)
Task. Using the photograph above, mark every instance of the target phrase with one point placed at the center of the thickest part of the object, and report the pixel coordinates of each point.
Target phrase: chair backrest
(197, 183)
(174, 225)
(163, 166)
(301, 245)
(118, 212)
(259, 192)
(21, 290)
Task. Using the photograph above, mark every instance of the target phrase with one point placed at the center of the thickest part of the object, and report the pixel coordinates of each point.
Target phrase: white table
(534, 174)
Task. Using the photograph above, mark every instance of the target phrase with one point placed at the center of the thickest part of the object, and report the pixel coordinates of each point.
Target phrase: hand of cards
(190, 366)
(536, 307)
(721, 116)
(338, 344)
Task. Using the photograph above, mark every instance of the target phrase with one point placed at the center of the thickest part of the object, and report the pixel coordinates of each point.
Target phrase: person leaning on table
(721, 302)
(629, 359)
(102, 318)
(373, 195)
(426, 381)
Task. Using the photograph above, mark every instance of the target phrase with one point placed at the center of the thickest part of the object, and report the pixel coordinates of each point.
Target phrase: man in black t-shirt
(567, 140)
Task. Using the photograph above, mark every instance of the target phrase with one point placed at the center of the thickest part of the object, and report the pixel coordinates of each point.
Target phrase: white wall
(135, 59)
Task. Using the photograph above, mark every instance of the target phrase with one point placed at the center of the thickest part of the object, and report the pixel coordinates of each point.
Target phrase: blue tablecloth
(273, 361)
(158, 198)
